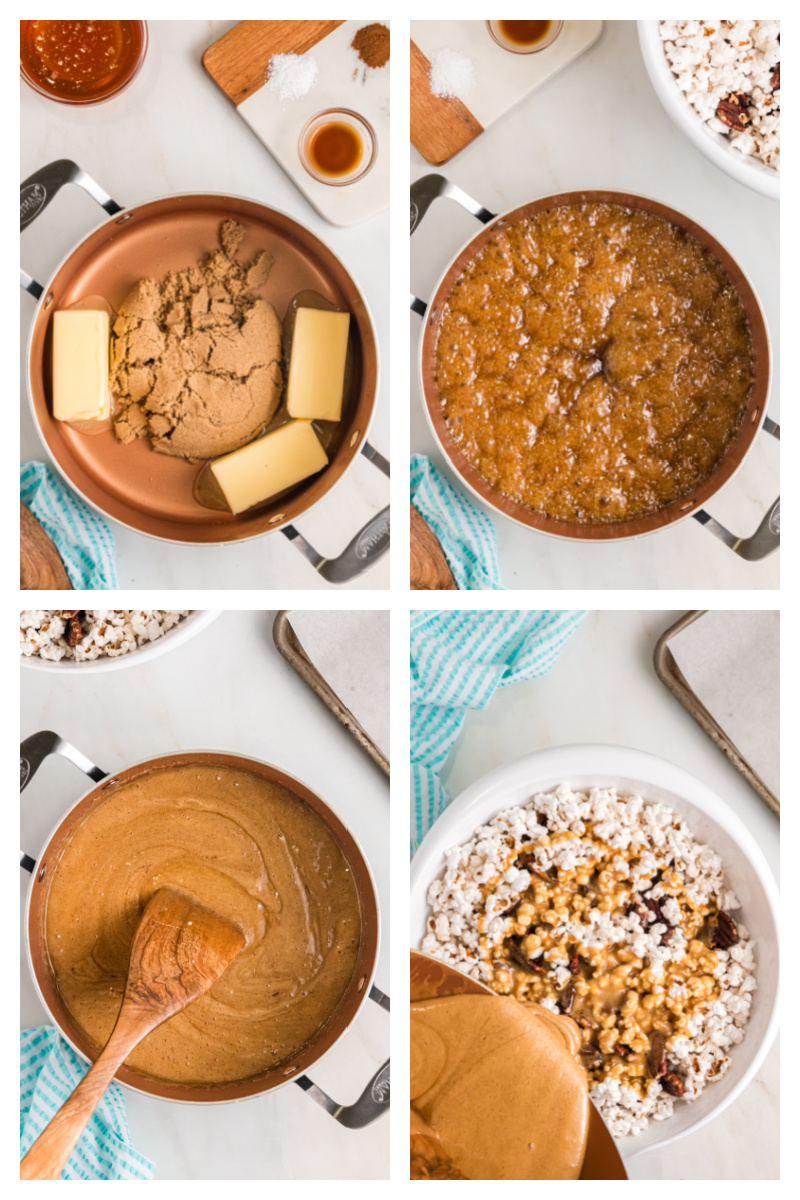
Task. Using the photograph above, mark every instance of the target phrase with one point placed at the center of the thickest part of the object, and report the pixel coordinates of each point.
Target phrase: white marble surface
(599, 124)
(227, 689)
(603, 688)
(175, 131)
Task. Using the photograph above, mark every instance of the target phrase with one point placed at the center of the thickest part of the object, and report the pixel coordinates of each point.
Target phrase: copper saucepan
(375, 1097)
(767, 537)
(152, 493)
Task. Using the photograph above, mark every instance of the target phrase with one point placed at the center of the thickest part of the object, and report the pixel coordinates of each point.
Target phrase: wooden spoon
(429, 569)
(179, 950)
(40, 565)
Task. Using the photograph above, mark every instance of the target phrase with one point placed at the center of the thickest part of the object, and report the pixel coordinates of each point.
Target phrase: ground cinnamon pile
(372, 44)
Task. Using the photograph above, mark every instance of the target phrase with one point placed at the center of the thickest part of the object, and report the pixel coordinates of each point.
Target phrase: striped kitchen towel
(465, 534)
(81, 537)
(49, 1071)
(458, 660)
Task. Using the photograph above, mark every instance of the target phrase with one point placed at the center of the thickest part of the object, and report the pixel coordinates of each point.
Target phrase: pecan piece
(724, 933)
(657, 1056)
(520, 958)
(566, 1001)
(592, 1055)
(667, 934)
(587, 1022)
(636, 908)
(732, 110)
(671, 1083)
(504, 912)
(775, 81)
(74, 631)
(622, 1051)
(574, 965)
(655, 907)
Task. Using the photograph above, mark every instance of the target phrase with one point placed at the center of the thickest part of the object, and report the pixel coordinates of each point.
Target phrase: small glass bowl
(498, 36)
(114, 90)
(339, 116)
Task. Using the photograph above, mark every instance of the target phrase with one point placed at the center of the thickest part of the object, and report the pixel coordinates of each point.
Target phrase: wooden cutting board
(39, 563)
(442, 127)
(239, 62)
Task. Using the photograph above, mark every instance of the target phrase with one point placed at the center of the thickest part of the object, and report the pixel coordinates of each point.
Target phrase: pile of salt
(292, 76)
(452, 74)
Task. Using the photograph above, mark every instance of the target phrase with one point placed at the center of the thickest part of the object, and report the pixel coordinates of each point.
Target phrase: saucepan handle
(423, 193)
(369, 544)
(766, 538)
(39, 189)
(373, 1101)
(32, 753)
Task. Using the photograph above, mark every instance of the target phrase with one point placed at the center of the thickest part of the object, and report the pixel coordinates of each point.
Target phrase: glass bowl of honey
(524, 37)
(81, 62)
(338, 147)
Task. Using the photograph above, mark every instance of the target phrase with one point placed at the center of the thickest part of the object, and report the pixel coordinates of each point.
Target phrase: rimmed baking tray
(288, 644)
(670, 675)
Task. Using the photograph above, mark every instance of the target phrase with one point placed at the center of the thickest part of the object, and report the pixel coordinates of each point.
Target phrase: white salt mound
(292, 76)
(452, 74)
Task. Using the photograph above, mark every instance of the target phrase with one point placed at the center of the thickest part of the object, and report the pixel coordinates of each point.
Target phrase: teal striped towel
(81, 537)
(465, 534)
(458, 660)
(49, 1071)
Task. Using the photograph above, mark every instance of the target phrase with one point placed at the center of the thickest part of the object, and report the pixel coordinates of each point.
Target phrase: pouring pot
(767, 537)
(149, 492)
(373, 1101)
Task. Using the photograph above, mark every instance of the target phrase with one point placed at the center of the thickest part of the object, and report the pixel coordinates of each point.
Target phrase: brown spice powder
(372, 44)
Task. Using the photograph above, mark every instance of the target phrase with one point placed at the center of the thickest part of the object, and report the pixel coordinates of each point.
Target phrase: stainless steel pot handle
(373, 1101)
(368, 545)
(39, 189)
(32, 753)
(766, 538)
(423, 192)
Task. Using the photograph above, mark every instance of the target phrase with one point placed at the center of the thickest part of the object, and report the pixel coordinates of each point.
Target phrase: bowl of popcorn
(720, 83)
(85, 641)
(613, 887)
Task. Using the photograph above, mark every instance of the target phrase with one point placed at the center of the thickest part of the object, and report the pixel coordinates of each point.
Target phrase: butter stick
(316, 367)
(80, 365)
(267, 466)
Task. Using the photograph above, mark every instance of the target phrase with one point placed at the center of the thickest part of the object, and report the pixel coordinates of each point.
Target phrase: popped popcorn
(106, 632)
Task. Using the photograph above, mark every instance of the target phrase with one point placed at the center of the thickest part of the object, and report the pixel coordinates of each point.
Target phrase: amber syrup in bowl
(337, 147)
(81, 62)
(524, 37)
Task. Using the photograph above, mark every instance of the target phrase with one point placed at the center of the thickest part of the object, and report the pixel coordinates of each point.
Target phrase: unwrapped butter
(316, 367)
(80, 365)
(269, 465)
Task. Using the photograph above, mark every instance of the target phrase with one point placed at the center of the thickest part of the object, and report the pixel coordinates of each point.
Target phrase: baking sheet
(731, 661)
(344, 659)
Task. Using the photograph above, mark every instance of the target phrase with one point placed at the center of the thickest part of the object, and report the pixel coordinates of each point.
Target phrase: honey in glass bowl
(81, 62)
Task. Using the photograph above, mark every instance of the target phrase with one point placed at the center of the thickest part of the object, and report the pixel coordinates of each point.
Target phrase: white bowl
(709, 819)
(184, 631)
(715, 146)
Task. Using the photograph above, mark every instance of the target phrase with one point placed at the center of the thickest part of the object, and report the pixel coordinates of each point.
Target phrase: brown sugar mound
(196, 358)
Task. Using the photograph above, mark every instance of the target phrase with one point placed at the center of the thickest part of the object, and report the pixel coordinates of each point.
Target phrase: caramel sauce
(335, 149)
(524, 33)
(80, 60)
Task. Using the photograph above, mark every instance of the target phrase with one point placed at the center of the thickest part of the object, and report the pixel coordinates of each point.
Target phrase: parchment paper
(351, 652)
(731, 661)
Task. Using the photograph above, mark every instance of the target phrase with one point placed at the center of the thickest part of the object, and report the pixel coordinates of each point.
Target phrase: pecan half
(667, 935)
(636, 908)
(521, 959)
(74, 631)
(566, 1001)
(672, 1084)
(724, 932)
(775, 81)
(655, 907)
(657, 1056)
(732, 110)
(574, 965)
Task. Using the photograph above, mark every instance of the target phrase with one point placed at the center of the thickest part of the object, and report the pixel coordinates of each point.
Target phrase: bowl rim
(482, 799)
(241, 1089)
(751, 172)
(197, 620)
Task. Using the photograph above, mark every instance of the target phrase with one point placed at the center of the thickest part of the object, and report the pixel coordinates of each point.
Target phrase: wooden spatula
(40, 565)
(180, 949)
